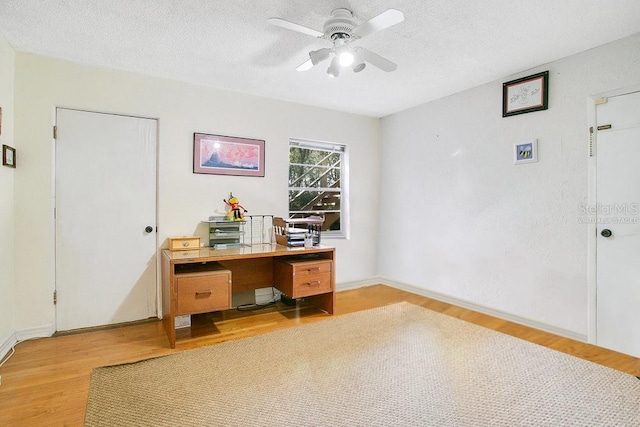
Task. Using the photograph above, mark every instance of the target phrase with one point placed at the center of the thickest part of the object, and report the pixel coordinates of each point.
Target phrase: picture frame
(228, 155)
(526, 94)
(8, 156)
(525, 152)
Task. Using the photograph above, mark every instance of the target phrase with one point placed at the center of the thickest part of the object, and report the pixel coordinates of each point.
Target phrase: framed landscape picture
(227, 155)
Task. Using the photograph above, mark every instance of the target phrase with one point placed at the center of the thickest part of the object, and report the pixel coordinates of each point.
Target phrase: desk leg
(169, 327)
(324, 301)
(168, 317)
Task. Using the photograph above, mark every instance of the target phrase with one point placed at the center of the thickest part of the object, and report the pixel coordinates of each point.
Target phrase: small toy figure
(237, 210)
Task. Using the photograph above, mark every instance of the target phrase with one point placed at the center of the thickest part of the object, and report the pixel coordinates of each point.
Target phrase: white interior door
(105, 198)
(618, 227)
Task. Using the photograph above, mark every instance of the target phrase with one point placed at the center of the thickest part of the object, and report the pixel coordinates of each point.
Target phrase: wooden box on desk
(184, 243)
(289, 240)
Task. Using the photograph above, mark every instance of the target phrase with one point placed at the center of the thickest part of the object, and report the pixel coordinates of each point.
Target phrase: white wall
(454, 215)
(458, 218)
(185, 198)
(6, 197)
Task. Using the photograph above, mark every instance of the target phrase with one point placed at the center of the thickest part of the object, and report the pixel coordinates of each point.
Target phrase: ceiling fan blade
(377, 60)
(306, 65)
(295, 27)
(380, 22)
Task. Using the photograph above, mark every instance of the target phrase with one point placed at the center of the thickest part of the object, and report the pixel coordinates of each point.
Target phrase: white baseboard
(6, 346)
(466, 304)
(357, 284)
(44, 331)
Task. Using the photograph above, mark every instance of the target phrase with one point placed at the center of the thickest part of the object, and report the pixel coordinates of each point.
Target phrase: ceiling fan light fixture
(317, 56)
(358, 63)
(345, 56)
(358, 66)
(334, 68)
(341, 29)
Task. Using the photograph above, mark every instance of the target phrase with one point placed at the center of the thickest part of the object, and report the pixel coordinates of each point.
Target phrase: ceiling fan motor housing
(340, 25)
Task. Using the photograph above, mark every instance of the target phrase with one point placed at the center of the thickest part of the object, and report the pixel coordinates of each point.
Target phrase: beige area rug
(399, 365)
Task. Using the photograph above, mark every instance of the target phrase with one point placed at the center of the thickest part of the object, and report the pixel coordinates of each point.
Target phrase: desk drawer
(201, 293)
(307, 285)
(299, 279)
(310, 268)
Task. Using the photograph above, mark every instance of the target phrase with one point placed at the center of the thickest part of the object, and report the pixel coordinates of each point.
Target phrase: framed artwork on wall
(526, 94)
(227, 155)
(525, 152)
(8, 156)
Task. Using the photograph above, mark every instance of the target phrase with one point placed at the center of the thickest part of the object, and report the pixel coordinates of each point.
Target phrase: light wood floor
(46, 382)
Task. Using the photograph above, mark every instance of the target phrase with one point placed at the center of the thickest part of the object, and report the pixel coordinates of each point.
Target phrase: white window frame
(345, 221)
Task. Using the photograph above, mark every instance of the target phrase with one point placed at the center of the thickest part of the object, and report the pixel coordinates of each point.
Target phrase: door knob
(148, 229)
(606, 233)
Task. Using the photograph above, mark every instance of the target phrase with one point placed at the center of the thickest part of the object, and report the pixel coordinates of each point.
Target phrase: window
(318, 183)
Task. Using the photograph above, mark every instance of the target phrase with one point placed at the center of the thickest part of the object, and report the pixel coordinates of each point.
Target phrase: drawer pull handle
(203, 293)
(314, 283)
(313, 269)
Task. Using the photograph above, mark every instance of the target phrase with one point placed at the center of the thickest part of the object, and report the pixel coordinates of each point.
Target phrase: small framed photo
(526, 94)
(525, 152)
(227, 155)
(8, 156)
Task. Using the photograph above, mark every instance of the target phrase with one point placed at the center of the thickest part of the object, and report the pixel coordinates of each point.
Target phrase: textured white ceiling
(442, 47)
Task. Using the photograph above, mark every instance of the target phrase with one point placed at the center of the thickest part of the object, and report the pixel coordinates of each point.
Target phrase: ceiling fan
(342, 30)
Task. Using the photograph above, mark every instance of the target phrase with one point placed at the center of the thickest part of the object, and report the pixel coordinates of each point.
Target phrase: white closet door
(618, 214)
(105, 219)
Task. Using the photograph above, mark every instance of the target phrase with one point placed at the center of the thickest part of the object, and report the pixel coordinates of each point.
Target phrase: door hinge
(55, 132)
(591, 141)
(604, 127)
(55, 297)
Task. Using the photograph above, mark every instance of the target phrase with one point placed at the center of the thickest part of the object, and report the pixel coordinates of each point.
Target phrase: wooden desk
(202, 280)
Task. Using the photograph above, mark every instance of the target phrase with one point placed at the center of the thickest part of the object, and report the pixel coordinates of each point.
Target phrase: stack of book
(292, 232)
